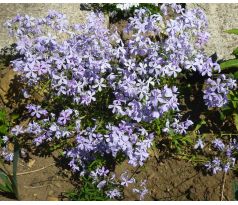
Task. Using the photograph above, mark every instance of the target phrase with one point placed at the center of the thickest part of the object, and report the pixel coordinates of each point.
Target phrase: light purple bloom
(199, 144)
(17, 130)
(218, 144)
(64, 116)
(125, 180)
(113, 194)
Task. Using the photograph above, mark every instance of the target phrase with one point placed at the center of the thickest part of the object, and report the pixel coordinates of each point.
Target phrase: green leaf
(236, 120)
(15, 116)
(199, 125)
(3, 129)
(5, 188)
(232, 31)
(235, 75)
(229, 64)
(235, 52)
(6, 185)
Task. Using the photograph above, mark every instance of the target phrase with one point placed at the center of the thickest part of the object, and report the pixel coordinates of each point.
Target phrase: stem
(223, 186)
(15, 162)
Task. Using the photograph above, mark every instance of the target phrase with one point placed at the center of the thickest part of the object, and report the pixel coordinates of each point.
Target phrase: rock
(220, 17)
(6, 75)
(52, 198)
(50, 193)
(57, 185)
(31, 163)
(191, 193)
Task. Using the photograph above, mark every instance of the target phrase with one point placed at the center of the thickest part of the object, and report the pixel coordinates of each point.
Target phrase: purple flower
(64, 116)
(5, 139)
(9, 157)
(99, 84)
(102, 171)
(199, 144)
(214, 166)
(36, 110)
(101, 184)
(215, 94)
(218, 144)
(88, 97)
(113, 194)
(17, 130)
(142, 191)
(226, 167)
(125, 180)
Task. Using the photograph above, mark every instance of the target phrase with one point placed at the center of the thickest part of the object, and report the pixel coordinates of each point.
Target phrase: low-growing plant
(108, 97)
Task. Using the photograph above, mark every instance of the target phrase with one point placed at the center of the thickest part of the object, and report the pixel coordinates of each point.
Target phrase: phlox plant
(103, 94)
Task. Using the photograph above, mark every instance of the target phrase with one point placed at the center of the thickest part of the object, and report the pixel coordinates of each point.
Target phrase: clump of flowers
(225, 158)
(215, 94)
(101, 90)
(4, 152)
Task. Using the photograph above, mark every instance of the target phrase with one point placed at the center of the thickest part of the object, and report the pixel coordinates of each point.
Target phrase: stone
(73, 11)
(52, 198)
(6, 75)
(220, 17)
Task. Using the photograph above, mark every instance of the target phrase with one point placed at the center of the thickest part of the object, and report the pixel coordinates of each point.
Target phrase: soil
(173, 179)
(43, 180)
(178, 180)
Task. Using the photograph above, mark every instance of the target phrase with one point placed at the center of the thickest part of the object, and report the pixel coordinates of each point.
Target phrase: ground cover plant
(104, 99)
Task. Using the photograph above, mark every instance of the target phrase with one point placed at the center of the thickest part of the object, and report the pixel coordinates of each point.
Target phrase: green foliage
(229, 64)
(151, 7)
(232, 31)
(178, 142)
(87, 192)
(5, 181)
(109, 8)
(236, 120)
(230, 111)
(4, 123)
(235, 52)
(8, 182)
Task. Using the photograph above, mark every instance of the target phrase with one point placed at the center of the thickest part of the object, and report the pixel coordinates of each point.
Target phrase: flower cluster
(107, 181)
(77, 65)
(225, 156)
(5, 152)
(142, 191)
(179, 127)
(215, 94)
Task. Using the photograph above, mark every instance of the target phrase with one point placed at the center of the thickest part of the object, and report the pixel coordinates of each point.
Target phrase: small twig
(37, 170)
(223, 186)
(35, 187)
(21, 164)
(134, 172)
